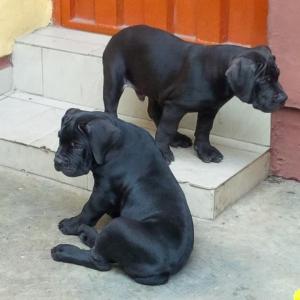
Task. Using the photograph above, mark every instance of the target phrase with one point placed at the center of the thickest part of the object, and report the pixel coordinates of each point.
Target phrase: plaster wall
(21, 16)
(284, 32)
(285, 158)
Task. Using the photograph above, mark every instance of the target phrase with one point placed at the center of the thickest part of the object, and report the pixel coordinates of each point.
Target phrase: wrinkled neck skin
(120, 160)
(98, 169)
(212, 62)
(223, 55)
(114, 152)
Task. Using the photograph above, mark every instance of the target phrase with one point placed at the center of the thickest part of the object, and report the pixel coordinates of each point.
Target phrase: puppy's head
(85, 138)
(253, 77)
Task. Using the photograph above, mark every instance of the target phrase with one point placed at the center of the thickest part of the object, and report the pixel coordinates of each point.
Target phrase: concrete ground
(251, 252)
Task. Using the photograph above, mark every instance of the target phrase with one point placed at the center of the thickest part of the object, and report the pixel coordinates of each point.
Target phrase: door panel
(83, 9)
(156, 13)
(248, 21)
(206, 21)
(133, 12)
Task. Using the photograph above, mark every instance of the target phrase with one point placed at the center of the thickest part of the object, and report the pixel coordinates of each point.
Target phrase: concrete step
(28, 139)
(6, 79)
(66, 65)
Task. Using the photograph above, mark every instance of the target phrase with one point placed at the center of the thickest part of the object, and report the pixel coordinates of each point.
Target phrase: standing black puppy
(151, 235)
(180, 77)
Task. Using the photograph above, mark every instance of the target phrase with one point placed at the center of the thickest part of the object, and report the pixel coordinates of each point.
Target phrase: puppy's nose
(281, 98)
(58, 162)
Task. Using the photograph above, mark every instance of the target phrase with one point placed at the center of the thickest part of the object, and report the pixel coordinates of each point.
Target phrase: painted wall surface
(285, 157)
(21, 16)
(5, 62)
(284, 32)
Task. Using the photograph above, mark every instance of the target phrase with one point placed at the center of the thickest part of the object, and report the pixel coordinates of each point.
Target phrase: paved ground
(251, 252)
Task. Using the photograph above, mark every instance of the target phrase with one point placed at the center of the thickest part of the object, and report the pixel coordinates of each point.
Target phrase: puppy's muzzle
(280, 98)
(58, 163)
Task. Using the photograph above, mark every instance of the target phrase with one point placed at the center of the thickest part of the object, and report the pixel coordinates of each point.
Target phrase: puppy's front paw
(87, 235)
(181, 140)
(69, 226)
(208, 153)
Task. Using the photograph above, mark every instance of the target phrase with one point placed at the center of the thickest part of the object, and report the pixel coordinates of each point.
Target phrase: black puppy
(180, 77)
(151, 234)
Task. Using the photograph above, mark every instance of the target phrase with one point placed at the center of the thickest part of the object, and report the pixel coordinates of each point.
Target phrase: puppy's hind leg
(155, 112)
(181, 140)
(133, 246)
(74, 255)
(114, 77)
(205, 151)
(167, 129)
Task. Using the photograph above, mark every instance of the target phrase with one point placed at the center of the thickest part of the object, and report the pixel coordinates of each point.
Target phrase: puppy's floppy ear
(71, 111)
(266, 50)
(102, 135)
(68, 116)
(241, 77)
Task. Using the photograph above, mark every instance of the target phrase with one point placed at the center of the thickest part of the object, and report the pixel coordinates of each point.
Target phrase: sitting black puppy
(151, 235)
(180, 77)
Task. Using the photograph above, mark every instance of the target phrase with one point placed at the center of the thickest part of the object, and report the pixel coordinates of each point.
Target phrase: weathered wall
(286, 143)
(5, 62)
(20, 16)
(284, 32)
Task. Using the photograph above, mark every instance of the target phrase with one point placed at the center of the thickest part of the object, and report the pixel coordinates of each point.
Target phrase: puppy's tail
(153, 280)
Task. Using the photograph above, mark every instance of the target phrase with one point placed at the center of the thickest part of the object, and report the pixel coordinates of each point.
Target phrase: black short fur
(151, 235)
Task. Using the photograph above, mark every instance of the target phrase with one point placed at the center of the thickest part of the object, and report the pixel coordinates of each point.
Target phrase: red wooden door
(208, 21)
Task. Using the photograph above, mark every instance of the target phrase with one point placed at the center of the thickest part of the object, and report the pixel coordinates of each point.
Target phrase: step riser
(36, 161)
(78, 78)
(241, 183)
(203, 203)
(6, 80)
(40, 162)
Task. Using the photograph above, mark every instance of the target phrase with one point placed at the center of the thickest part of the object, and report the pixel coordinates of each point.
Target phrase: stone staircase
(56, 68)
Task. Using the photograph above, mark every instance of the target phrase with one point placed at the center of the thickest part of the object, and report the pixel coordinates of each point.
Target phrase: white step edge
(67, 40)
(29, 144)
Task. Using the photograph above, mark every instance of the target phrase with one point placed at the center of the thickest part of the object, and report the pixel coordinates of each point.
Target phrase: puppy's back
(162, 184)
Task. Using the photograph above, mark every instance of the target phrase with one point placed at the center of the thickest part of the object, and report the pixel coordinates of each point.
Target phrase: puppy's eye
(75, 145)
(268, 79)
